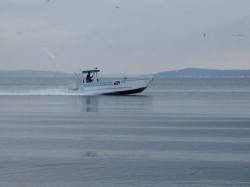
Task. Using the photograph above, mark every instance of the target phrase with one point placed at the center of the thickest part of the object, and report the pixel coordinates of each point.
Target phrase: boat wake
(45, 92)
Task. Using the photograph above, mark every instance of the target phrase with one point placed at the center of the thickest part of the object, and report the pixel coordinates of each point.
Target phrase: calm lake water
(179, 132)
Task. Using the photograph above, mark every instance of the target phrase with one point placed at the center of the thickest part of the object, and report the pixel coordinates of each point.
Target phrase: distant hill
(183, 73)
(32, 73)
(204, 73)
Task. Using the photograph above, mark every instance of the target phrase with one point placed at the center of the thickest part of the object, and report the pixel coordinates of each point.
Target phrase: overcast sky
(124, 36)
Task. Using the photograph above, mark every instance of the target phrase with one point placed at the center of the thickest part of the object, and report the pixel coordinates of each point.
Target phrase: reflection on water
(116, 103)
(89, 104)
(76, 104)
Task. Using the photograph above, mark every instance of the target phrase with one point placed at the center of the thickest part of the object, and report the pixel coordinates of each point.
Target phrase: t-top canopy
(91, 71)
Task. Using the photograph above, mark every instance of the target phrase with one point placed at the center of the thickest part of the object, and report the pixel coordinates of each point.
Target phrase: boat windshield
(92, 76)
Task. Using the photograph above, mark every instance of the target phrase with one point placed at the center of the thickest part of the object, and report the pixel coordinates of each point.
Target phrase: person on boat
(89, 77)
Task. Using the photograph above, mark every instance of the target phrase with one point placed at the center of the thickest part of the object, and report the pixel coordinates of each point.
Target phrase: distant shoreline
(32, 73)
(204, 73)
(182, 73)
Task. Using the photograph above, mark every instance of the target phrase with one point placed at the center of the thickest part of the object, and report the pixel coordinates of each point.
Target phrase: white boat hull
(116, 87)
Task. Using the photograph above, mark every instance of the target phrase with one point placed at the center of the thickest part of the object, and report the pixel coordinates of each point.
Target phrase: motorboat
(92, 84)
